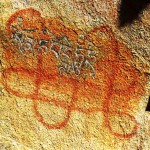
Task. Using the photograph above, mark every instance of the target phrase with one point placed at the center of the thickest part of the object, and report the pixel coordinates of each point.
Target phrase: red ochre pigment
(116, 87)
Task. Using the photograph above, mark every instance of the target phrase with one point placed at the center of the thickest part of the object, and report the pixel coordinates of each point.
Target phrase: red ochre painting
(72, 70)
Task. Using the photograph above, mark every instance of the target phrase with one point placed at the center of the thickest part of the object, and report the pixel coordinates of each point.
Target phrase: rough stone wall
(70, 79)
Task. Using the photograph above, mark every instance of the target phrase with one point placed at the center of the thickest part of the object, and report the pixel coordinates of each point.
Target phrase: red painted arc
(40, 74)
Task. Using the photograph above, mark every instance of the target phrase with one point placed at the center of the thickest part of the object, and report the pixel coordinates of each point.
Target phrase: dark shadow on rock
(130, 9)
(148, 105)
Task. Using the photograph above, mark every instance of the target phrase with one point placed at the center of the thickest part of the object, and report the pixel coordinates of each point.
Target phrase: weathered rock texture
(70, 79)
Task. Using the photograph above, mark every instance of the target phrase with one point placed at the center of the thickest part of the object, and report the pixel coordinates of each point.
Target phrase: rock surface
(70, 78)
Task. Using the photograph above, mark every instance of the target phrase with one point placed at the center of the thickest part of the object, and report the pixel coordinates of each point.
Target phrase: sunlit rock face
(99, 9)
(70, 78)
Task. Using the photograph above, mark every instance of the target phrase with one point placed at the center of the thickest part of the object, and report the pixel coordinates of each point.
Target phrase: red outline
(41, 74)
